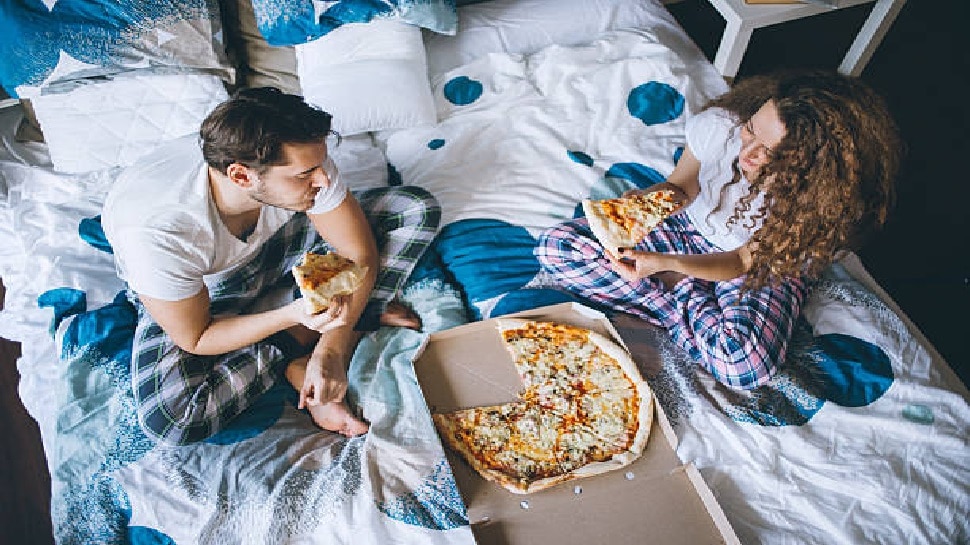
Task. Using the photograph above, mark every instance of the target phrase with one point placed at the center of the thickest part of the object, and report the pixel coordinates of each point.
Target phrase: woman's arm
(684, 180)
(634, 265)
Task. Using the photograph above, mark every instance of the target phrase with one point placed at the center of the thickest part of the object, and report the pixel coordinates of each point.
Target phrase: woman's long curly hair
(828, 183)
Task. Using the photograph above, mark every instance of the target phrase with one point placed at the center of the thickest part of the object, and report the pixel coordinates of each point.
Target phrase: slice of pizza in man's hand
(321, 277)
(624, 222)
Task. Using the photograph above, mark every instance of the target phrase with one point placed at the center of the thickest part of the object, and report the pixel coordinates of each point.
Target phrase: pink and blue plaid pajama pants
(740, 337)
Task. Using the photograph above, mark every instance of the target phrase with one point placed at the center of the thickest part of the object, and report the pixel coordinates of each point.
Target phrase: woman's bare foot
(397, 314)
(335, 416)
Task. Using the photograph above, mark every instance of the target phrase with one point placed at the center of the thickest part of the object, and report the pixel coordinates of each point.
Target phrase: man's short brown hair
(251, 127)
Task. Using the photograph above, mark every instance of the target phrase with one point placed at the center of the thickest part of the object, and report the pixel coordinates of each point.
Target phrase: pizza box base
(655, 499)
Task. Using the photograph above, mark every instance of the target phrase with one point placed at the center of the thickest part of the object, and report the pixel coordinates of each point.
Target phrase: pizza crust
(608, 233)
(449, 430)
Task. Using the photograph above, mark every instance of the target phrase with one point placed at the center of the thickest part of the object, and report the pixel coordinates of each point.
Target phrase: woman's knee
(556, 244)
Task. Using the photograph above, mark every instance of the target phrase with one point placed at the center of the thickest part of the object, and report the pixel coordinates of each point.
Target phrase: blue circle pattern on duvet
(654, 103)
(462, 90)
(638, 174)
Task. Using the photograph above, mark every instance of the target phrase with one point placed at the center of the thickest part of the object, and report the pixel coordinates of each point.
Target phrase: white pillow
(112, 123)
(369, 76)
(361, 162)
(526, 26)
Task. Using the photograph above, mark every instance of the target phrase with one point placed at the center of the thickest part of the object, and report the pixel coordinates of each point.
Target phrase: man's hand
(333, 317)
(325, 379)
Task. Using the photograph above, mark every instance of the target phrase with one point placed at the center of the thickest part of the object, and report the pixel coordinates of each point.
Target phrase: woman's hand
(325, 379)
(634, 265)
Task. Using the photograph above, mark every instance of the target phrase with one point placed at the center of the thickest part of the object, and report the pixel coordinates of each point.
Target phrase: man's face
(294, 184)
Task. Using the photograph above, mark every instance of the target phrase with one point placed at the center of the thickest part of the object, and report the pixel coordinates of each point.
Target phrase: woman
(779, 177)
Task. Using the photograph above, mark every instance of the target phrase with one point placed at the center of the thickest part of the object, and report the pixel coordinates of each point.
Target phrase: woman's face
(759, 136)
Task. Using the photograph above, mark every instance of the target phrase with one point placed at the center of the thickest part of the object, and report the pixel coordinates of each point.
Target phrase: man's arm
(194, 330)
(346, 229)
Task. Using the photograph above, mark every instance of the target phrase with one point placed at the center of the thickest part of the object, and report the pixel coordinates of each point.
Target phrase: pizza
(584, 410)
(624, 222)
(321, 277)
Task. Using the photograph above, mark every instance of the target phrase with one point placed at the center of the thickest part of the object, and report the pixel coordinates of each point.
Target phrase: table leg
(734, 42)
(867, 40)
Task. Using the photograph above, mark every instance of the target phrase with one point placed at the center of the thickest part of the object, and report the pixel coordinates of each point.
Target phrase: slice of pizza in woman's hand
(584, 410)
(625, 221)
(321, 277)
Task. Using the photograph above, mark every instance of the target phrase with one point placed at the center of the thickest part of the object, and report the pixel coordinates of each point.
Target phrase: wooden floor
(24, 479)
(921, 258)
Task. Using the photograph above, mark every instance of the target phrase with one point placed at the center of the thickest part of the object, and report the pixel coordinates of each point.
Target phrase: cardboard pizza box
(656, 499)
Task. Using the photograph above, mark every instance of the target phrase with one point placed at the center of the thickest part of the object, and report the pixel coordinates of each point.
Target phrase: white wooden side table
(743, 18)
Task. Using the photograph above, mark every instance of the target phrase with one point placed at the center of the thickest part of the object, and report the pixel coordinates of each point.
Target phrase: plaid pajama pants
(184, 398)
(739, 336)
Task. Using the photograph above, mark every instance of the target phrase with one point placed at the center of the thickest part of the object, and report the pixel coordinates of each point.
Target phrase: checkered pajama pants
(739, 336)
(184, 398)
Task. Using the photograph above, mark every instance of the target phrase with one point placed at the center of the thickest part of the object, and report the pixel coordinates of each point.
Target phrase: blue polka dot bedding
(860, 437)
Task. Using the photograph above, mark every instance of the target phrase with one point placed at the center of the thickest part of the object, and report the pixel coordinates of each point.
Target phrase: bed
(510, 112)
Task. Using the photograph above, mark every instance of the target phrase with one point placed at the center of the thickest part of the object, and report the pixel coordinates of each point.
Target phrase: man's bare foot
(335, 416)
(397, 314)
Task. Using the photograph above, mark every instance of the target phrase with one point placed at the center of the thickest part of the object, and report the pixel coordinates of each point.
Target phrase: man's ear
(241, 175)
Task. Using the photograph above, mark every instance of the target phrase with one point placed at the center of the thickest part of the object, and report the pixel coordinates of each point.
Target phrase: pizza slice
(625, 221)
(512, 444)
(321, 277)
(546, 351)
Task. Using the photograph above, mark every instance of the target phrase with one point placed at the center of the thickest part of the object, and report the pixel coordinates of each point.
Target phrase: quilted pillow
(48, 44)
(292, 22)
(113, 123)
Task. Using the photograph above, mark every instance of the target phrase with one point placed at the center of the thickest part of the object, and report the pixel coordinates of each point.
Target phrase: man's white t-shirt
(166, 233)
(714, 138)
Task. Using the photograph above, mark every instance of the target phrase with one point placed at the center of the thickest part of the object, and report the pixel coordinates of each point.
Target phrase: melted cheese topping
(317, 269)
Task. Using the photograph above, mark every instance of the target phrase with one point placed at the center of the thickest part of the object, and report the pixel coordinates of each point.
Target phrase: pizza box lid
(655, 499)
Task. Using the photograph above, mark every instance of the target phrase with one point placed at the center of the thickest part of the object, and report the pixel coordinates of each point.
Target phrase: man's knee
(421, 205)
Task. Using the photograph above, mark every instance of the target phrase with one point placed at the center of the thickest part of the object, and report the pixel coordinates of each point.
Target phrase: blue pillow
(293, 22)
(75, 39)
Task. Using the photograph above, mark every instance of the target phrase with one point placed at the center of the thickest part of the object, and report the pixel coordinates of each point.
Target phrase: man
(205, 237)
